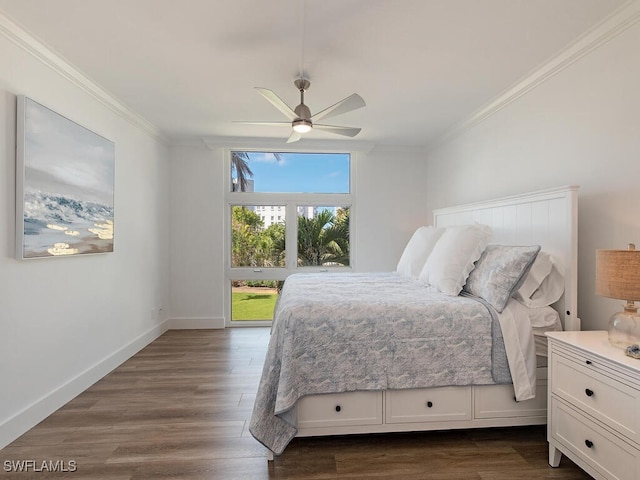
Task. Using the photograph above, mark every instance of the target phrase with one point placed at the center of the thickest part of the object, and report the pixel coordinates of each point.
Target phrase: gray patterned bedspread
(342, 332)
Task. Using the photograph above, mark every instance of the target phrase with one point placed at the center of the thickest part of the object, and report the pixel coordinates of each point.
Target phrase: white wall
(197, 272)
(391, 196)
(65, 322)
(579, 127)
(390, 205)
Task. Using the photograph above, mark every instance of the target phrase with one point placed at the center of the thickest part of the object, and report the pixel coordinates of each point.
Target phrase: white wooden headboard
(548, 218)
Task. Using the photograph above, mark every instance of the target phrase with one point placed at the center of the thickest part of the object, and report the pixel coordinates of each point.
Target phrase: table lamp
(618, 276)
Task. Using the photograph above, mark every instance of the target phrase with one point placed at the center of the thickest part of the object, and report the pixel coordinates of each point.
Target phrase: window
(286, 212)
(323, 236)
(254, 241)
(273, 172)
(253, 301)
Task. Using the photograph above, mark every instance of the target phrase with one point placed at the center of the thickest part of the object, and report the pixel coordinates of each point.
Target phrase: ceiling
(422, 66)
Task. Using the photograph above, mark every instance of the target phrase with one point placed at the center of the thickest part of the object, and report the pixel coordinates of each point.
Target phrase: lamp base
(624, 329)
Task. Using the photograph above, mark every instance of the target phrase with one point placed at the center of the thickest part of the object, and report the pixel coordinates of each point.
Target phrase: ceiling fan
(301, 119)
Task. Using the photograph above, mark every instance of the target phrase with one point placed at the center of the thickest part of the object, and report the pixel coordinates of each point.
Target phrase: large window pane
(258, 236)
(253, 300)
(267, 172)
(323, 236)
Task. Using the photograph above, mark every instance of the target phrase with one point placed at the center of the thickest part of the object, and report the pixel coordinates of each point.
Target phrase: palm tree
(240, 165)
(341, 226)
(323, 240)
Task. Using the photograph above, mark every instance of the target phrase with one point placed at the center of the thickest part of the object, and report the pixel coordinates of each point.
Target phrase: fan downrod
(302, 123)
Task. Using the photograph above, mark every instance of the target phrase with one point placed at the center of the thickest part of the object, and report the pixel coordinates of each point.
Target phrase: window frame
(290, 201)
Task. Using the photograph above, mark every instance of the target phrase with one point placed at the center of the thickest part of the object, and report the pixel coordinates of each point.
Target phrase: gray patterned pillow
(498, 272)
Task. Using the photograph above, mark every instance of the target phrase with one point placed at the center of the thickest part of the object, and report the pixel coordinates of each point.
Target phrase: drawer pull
(429, 404)
(588, 362)
(588, 392)
(338, 408)
(588, 443)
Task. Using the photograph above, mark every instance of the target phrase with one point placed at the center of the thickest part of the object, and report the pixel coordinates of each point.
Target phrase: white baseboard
(195, 323)
(33, 414)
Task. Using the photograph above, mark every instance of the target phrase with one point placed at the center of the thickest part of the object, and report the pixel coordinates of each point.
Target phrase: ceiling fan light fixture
(301, 125)
(302, 121)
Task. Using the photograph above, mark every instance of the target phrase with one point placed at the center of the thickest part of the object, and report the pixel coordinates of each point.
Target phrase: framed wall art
(64, 185)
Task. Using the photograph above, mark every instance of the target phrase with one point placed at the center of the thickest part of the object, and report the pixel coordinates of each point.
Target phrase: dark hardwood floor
(180, 409)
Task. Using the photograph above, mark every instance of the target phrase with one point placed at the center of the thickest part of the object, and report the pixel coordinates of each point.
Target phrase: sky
(300, 172)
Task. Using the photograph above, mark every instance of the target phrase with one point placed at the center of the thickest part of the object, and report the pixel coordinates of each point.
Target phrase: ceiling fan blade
(270, 124)
(294, 137)
(346, 131)
(277, 102)
(345, 105)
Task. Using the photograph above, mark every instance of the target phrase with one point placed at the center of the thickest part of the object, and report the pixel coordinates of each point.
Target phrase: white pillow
(542, 319)
(540, 268)
(543, 285)
(417, 251)
(452, 258)
(549, 291)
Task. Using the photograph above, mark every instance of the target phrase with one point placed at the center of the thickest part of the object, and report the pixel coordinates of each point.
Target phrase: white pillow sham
(417, 251)
(453, 256)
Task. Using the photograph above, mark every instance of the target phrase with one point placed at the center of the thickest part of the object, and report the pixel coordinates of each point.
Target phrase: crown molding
(620, 20)
(46, 55)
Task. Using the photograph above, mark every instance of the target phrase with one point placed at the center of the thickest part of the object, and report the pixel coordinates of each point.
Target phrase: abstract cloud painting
(65, 185)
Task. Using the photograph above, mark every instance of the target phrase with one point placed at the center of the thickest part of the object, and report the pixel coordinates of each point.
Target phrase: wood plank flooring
(180, 409)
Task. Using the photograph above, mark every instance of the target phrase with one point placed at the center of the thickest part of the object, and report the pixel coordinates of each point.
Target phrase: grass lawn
(252, 305)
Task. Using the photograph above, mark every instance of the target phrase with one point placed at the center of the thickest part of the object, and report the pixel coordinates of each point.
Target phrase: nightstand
(593, 405)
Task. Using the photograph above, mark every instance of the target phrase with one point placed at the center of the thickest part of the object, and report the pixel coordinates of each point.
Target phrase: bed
(389, 352)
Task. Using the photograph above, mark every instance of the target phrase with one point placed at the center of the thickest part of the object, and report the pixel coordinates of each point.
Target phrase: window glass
(323, 236)
(257, 236)
(253, 300)
(268, 172)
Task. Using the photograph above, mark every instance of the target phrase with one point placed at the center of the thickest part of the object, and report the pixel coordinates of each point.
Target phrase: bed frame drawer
(498, 401)
(428, 405)
(340, 409)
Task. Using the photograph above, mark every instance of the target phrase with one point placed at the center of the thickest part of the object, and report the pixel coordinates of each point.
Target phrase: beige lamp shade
(618, 273)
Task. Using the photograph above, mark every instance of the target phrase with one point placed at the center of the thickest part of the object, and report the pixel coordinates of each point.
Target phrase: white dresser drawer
(610, 400)
(428, 405)
(498, 401)
(602, 451)
(336, 409)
